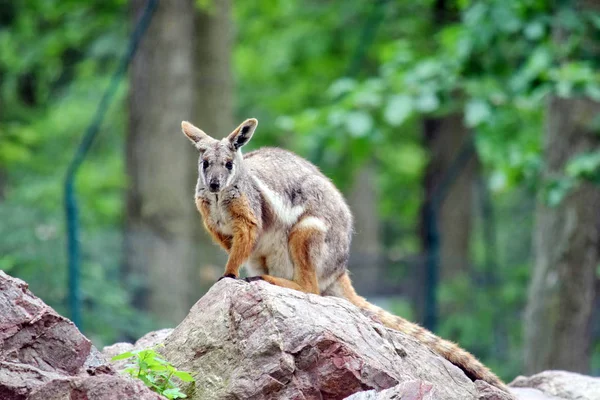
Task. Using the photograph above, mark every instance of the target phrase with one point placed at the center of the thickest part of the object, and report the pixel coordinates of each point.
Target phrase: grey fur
(283, 190)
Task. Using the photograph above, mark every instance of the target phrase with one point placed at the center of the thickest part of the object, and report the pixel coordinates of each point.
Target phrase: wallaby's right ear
(195, 134)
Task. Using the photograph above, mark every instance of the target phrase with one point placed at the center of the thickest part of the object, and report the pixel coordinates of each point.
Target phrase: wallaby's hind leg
(305, 244)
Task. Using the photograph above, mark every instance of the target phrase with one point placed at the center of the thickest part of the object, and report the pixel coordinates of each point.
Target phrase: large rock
(33, 333)
(419, 390)
(249, 341)
(557, 385)
(44, 356)
(409, 390)
(258, 341)
(102, 387)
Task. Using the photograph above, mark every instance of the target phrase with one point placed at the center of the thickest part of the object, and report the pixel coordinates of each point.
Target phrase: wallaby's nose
(214, 186)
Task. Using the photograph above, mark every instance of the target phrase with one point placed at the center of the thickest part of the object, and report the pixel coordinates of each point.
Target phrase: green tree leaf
(476, 112)
(358, 123)
(398, 109)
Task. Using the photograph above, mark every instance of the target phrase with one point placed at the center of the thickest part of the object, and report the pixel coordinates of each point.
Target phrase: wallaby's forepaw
(254, 278)
(232, 276)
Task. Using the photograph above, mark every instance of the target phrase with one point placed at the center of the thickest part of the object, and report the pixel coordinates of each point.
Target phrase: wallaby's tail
(450, 351)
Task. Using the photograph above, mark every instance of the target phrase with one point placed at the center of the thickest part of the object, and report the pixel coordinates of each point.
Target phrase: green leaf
(557, 190)
(174, 393)
(476, 112)
(184, 376)
(122, 356)
(341, 87)
(146, 381)
(584, 165)
(534, 30)
(427, 102)
(358, 123)
(540, 60)
(593, 91)
(398, 109)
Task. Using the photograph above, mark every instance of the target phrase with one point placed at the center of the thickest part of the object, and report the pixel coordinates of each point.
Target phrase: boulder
(554, 385)
(32, 333)
(486, 391)
(419, 390)
(102, 387)
(44, 356)
(409, 390)
(258, 341)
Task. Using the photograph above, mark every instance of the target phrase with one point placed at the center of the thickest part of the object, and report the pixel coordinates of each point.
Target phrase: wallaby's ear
(243, 133)
(195, 134)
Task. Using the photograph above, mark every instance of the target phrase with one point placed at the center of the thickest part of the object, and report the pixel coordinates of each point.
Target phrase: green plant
(155, 372)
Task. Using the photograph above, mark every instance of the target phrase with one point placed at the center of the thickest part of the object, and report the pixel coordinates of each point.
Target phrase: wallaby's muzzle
(214, 186)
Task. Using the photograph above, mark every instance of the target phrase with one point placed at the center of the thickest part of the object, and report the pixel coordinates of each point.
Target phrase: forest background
(465, 135)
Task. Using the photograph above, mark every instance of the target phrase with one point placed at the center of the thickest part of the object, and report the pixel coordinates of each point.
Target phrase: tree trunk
(449, 184)
(562, 290)
(213, 113)
(365, 260)
(452, 182)
(163, 239)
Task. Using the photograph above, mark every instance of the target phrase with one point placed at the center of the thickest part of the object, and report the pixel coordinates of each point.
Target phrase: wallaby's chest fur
(219, 215)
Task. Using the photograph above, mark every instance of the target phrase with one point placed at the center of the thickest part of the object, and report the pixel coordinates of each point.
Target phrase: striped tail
(464, 360)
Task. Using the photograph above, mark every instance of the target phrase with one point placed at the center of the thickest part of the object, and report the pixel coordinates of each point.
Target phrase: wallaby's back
(295, 190)
(299, 182)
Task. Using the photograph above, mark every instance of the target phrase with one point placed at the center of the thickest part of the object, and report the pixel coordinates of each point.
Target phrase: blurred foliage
(341, 83)
(54, 57)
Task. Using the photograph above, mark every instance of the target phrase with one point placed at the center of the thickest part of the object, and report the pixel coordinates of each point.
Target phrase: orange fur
(286, 283)
(301, 240)
(245, 231)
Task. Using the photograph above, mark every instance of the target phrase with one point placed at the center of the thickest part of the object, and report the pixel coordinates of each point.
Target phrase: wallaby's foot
(254, 278)
(232, 276)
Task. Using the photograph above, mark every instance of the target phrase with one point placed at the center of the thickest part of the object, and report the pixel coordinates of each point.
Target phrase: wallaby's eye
(205, 164)
(229, 165)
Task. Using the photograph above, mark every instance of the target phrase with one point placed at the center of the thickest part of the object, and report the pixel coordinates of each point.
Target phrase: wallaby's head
(219, 160)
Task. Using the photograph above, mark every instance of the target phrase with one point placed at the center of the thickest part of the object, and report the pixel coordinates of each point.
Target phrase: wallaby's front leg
(245, 230)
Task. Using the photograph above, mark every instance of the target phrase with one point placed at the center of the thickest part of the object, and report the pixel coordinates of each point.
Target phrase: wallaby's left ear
(243, 133)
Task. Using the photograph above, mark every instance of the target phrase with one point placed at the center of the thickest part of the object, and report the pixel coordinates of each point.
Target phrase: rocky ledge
(248, 341)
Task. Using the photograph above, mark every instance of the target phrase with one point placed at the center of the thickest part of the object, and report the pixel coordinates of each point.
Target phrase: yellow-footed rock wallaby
(278, 215)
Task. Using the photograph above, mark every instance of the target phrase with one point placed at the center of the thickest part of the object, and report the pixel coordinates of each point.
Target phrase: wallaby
(279, 215)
